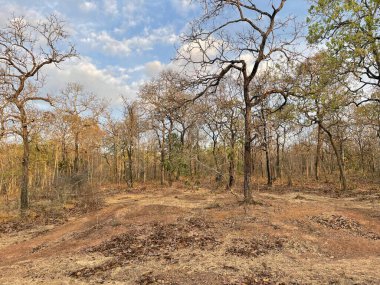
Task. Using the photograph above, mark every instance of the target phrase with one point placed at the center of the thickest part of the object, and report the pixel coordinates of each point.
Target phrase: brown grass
(184, 236)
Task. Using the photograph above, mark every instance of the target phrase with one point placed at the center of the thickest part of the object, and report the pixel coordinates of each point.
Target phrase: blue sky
(122, 43)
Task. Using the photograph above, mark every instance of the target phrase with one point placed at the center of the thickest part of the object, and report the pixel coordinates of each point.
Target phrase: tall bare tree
(81, 109)
(161, 98)
(236, 36)
(130, 131)
(25, 48)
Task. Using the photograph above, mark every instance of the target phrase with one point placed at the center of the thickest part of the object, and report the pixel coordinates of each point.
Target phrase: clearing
(182, 236)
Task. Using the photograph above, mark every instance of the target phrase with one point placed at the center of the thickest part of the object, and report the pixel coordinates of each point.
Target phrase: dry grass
(184, 236)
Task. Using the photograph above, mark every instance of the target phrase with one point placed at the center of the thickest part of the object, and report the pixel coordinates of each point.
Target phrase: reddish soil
(198, 237)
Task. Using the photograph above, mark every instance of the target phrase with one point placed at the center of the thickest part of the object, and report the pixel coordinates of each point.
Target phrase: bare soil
(179, 236)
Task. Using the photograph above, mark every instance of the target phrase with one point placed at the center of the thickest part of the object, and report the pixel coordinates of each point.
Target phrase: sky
(122, 43)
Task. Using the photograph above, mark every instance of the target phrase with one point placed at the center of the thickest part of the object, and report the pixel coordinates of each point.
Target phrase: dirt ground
(179, 236)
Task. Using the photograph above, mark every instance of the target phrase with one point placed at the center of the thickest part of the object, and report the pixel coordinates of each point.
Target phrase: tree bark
(267, 150)
(116, 162)
(218, 176)
(130, 167)
(338, 158)
(247, 145)
(76, 152)
(162, 162)
(154, 165)
(231, 166)
(181, 152)
(65, 163)
(24, 203)
(170, 152)
(361, 149)
(198, 157)
(318, 153)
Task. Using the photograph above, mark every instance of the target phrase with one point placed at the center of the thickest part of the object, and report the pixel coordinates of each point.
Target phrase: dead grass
(185, 236)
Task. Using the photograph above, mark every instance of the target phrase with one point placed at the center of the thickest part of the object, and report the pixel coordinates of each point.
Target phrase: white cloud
(135, 69)
(135, 13)
(8, 10)
(153, 68)
(87, 6)
(125, 47)
(191, 56)
(108, 43)
(249, 60)
(110, 7)
(132, 7)
(183, 6)
(102, 82)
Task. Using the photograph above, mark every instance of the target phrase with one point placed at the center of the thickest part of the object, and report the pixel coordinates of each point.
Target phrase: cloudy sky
(121, 42)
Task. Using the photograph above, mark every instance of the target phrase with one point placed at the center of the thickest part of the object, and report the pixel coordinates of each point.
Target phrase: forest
(252, 158)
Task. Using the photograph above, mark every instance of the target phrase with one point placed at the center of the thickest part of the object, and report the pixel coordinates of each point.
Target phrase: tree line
(245, 104)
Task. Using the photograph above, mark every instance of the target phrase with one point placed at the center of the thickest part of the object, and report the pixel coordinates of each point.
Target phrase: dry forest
(252, 158)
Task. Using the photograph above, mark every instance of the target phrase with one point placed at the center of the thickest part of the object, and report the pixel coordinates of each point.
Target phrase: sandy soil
(198, 237)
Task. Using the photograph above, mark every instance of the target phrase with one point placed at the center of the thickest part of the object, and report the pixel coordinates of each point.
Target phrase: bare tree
(162, 97)
(113, 142)
(212, 126)
(228, 101)
(151, 94)
(81, 109)
(25, 48)
(130, 132)
(4, 117)
(266, 136)
(236, 36)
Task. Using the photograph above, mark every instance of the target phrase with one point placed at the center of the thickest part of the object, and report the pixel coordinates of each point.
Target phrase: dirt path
(196, 237)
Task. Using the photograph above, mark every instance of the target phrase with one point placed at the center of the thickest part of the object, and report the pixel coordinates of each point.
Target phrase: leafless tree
(228, 100)
(4, 117)
(80, 109)
(162, 98)
(237, 37)
(131, 129)
(25, 48)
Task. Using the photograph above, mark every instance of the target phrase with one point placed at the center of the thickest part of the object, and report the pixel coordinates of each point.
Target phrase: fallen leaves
(257, 246)
(155, 241)
(338, 222)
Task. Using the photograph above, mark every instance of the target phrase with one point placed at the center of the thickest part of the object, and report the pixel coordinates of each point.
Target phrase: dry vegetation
(255, 164)
(178, 235)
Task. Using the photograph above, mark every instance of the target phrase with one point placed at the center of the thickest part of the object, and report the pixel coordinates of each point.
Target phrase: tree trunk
(138, 160)
(125, 168)
(318, 153)
(231, 166)
(24, 202)
(154, 165)
(162, 162)
(130, 167)
(338, 158)
(181, 152)
(76, 152)
(218, 176)
(144, 166)
(278, 157)
(170, 152)
(198, 156)
(288, 171)
(247, 145)
(116, 163)
(267, 150)
(361, 149)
